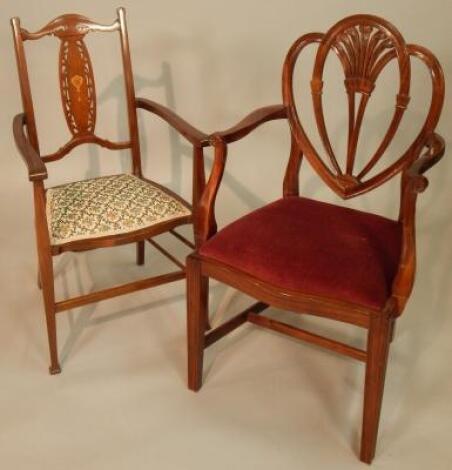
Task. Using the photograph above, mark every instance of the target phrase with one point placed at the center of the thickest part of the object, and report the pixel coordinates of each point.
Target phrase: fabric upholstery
(313, 247)
(108, 205)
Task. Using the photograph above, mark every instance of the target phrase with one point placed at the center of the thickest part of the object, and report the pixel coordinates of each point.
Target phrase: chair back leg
(379, 338)
(197, 295)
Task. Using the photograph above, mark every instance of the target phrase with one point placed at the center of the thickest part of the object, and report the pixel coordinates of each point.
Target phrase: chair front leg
(48, 294)
(379, 338)
(140, 252)
(46, 276)
(196, 322)
(205, 300)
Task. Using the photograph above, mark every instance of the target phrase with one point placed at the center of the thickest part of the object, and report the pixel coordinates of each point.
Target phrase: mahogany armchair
(104, 211)
(315, 258)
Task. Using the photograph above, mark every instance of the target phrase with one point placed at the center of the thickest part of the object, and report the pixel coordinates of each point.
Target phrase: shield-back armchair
(315, 258)
(108, 210)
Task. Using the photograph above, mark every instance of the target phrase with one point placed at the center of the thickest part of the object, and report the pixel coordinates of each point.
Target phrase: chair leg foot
(196, 323)
(52, 337)
(55, 369)
(378, 348)
(195, 379)
(140, 253)
(48, 294)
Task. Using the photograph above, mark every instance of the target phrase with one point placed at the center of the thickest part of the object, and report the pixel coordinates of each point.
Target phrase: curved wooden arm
(413, 183)
(36, 168)
(205, 223)
(193, 135)
(253, 120)
(436, 148)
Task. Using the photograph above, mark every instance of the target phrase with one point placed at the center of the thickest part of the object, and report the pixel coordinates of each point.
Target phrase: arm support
(205, 223)
(37, 170)
(193, 135)
(413, 183)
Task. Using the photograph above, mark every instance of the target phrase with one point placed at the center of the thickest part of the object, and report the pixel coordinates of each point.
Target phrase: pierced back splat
(364, 45)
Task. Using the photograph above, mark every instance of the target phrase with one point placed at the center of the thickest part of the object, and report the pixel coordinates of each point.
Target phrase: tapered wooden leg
(48, 293)
(205, 300)
(140, 253)
(46, 273)
(378, 348)
(196, 323)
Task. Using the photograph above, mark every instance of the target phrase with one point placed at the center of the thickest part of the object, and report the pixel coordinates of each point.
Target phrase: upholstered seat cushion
(313, 247)
(108, 205)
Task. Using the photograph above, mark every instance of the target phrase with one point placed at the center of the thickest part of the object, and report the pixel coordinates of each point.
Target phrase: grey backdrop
(267, 401)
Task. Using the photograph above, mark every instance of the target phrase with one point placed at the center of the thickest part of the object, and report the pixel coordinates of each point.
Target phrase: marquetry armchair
(315, 258)
(108, 210)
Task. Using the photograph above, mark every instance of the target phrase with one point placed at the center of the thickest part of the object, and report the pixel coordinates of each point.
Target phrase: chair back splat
(365, 45)
(77, 83)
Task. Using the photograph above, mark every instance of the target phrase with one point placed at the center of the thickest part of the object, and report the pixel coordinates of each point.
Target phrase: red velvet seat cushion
(313, 247)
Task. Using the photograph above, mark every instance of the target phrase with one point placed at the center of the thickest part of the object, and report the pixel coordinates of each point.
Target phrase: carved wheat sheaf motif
(77, 86)
(363, 50)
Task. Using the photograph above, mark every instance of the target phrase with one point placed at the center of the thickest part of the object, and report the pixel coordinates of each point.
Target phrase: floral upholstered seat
(108, 205)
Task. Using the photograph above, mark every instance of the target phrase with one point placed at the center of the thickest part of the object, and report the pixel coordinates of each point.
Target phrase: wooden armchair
(315, 258)
(104, 211)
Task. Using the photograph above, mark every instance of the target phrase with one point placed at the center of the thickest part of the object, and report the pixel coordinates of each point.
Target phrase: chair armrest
(205, 223)
(435, 151)
(37, 170)
(413, 183)
(253, 120)
(193, 135)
